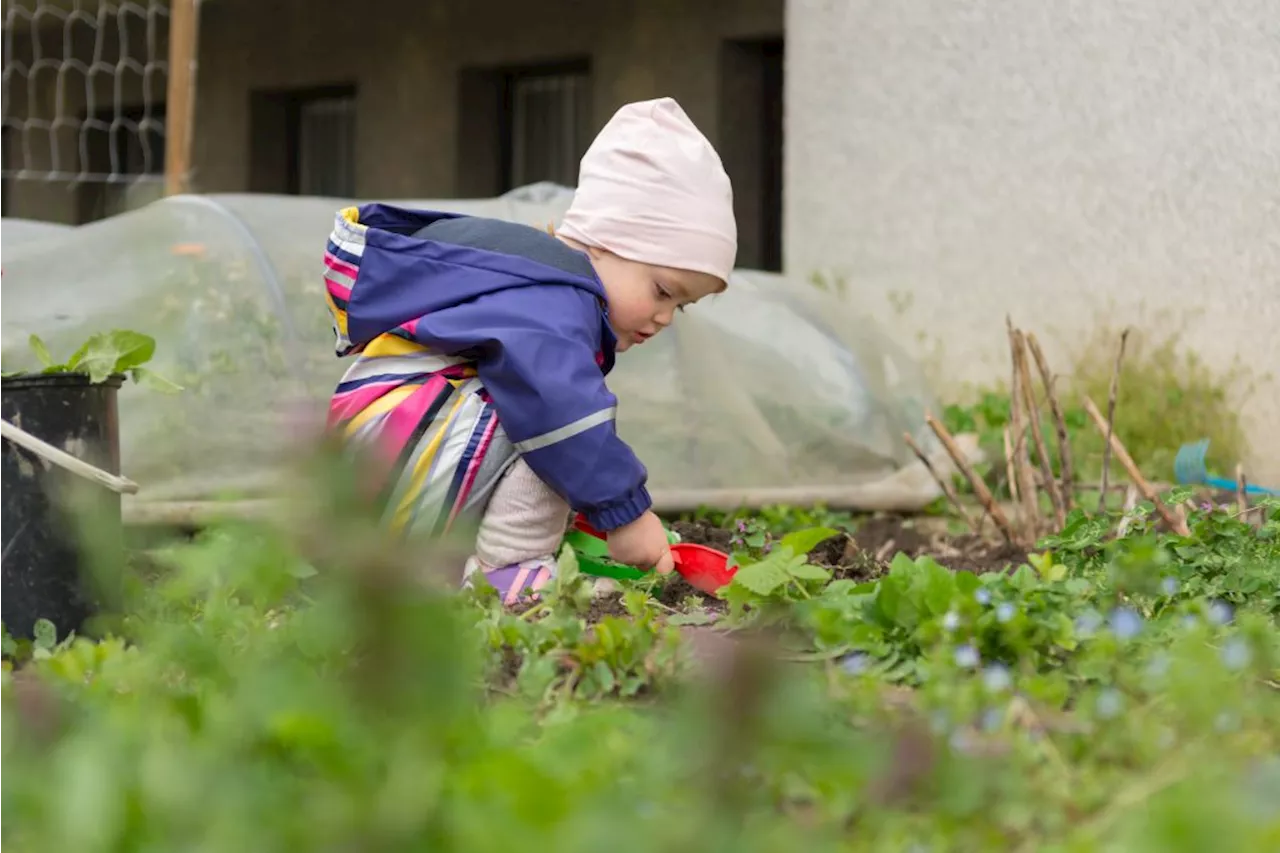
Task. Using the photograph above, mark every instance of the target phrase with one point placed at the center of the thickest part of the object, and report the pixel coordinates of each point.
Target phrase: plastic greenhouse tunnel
(774, 391)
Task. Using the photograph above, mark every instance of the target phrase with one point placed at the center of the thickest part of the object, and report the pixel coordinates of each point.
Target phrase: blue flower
(1236, 653)
(1158, 666)
(1110, 703)
(1125, 623)
(963, 741)
(855, 664)
(951, 621)
(967, 657)
(982, 596)
(1004, 612)
(1220, 613)
(1169, 586)
(996, 678)
(992, 718)
(1088, 622)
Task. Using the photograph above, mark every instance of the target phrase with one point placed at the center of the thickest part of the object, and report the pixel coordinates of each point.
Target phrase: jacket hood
(395, 265)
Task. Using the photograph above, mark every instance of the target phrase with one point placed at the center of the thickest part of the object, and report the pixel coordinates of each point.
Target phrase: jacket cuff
(621, 512)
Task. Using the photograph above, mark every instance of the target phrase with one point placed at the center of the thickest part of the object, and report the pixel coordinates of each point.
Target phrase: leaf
(804, 541)
(761, 578)
(566, 568)
(302, 570)
(939, 589)
(41, 351)
(808, 572)
(45, 634)
(114, 352)
(696, 617)
(150, 379)
(902, 566)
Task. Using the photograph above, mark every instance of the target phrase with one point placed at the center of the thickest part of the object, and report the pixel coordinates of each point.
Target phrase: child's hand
(643, 544)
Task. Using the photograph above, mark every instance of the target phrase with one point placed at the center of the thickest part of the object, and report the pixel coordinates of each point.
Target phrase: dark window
(303, 141)
(521, 125)
(750, 131)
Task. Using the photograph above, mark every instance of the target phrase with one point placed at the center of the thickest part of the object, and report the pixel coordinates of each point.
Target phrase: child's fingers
(665, 564)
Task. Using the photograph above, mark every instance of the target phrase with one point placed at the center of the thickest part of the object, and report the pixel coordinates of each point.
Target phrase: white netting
(773, 385)
(84, 94)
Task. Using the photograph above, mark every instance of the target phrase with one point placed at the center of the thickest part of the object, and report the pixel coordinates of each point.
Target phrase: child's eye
(663, 293)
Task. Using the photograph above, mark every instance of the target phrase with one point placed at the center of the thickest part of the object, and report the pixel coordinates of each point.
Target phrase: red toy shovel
(705, 569)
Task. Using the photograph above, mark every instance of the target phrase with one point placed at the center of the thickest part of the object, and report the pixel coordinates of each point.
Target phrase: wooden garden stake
(1242, 490)
(1029, 498)
(1130, 501)
(1134, 474)
(1059, 422)
(941, 481)
(1009, 471)
(1033, 414)
(1111, 414)
(979, 487)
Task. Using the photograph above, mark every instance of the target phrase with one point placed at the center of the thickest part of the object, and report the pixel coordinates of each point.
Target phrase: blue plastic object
(1190, 470)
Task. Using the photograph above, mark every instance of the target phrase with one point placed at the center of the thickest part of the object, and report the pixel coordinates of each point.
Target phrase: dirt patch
(701, 533)
(846, 560)
(609, 604)
(885, 536)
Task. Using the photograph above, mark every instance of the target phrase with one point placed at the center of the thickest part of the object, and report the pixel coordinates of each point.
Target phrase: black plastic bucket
(45, 572)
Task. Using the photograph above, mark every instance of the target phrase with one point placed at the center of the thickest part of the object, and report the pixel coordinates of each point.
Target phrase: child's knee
(524, 520)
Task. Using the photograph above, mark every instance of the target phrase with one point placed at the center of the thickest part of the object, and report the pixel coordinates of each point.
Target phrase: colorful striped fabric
(426, 416)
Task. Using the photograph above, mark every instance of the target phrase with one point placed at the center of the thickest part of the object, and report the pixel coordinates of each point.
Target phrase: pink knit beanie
(652, 189)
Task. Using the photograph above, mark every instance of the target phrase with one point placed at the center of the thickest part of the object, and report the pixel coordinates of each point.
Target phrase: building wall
(1068, 163)
(407, 65)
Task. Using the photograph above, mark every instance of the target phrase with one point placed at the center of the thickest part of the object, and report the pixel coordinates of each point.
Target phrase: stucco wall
(406, 66)
(1046, 159)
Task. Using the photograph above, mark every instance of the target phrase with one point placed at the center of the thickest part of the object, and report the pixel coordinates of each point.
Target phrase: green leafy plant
(104, 355)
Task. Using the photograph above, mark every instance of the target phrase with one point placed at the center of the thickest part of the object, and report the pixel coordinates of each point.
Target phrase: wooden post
(180, 100)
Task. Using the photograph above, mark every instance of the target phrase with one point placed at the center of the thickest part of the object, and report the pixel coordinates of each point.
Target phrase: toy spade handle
(1229, 485)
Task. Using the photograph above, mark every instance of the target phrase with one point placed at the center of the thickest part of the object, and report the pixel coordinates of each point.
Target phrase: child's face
(643, 299)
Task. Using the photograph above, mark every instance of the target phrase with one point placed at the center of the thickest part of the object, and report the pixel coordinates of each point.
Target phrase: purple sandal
(511, 581)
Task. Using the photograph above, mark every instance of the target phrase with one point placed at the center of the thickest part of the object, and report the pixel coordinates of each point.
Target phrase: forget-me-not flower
(1110, 703)
(996, 678)
(855, 664)
(1088, 622)
(1220, 613)
(1236, 653)
(966, 657)
(1125, 623)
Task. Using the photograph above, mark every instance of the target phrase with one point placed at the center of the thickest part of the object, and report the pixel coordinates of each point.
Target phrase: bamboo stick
(1135, 475)
(1059, 422)
(941, 481)
(979, 487)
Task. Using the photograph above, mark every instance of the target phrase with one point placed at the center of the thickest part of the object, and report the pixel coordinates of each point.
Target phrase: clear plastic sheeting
(774, 390)
(19, 232)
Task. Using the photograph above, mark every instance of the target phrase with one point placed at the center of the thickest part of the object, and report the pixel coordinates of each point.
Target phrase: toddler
(484, 345)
